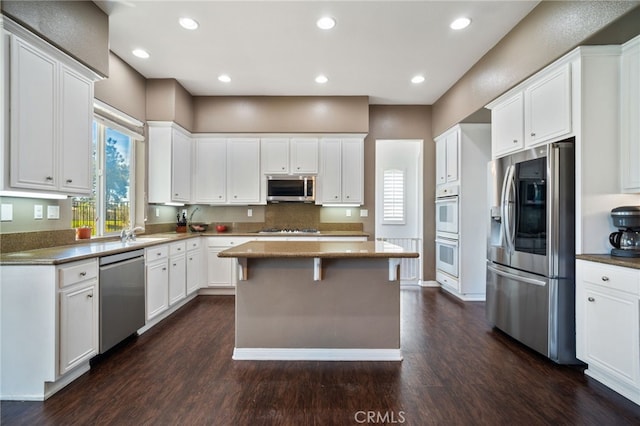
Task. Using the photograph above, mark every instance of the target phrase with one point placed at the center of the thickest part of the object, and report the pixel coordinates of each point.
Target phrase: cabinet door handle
(83, 274)
(69, 180)
(158, 254)
(90, 295)
(605, 278)
(515, 141)
(591, 299)
(49, 178)
(533, 134)
(164, 269)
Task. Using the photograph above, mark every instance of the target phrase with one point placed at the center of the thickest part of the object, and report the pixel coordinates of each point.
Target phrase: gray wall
(125, 89)
(281, 114)
(552, 29)
(403, 122)
(167, 100)
(79, 28)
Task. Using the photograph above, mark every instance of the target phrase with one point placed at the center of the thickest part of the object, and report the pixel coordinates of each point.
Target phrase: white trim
(429, 284)
(273, 135)
(315, 354)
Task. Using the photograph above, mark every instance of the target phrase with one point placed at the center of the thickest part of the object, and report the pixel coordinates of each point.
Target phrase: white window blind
(393, 199)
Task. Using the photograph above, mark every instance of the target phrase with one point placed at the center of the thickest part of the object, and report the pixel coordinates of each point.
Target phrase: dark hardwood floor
(456, 371)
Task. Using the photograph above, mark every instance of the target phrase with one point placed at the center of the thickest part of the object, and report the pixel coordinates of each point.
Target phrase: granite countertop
(319, 249)
(95, 248)
(626, 262)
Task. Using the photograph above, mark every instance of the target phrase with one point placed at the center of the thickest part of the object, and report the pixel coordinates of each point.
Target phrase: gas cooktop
(289, 231)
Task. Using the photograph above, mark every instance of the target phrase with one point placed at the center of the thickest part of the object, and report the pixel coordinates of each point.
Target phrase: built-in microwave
(291, 189)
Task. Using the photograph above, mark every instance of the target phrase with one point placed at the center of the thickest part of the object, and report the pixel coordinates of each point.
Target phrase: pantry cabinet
(630, 116)
(50, 89)
(341, 180)
(169, 163)
(607, 325)
(447, 146)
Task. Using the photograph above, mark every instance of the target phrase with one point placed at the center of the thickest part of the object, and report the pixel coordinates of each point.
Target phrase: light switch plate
(348, 212)
(6, 213)
(157, 212)
(53, 212)
(38, 211)
(249, 212)
(364, 213)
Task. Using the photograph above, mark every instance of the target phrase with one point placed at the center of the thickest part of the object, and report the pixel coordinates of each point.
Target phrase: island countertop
(317, 249)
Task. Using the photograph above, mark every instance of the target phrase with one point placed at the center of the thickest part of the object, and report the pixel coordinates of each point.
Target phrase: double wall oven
(447, 232)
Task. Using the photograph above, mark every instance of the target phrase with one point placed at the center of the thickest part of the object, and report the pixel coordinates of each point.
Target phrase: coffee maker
(626, 242)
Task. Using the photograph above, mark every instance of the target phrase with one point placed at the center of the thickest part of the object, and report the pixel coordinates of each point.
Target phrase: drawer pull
(158, 254)
(591, 299)
(83, 274)
(164, 269)
(90, 295)
(605, 278)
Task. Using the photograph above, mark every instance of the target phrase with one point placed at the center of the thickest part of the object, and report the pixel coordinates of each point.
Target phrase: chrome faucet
(129, 234)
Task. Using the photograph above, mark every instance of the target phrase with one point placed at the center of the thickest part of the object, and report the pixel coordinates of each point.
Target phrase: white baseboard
(316, 354)
(429, 284)
(217, 291)
(471, 297)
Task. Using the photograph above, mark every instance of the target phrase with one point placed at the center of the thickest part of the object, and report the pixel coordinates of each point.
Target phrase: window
(393, 199)
(110, 208)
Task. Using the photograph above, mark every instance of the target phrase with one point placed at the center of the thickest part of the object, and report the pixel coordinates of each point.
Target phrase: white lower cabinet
(177, 272)
(194, 265)
(607, 325)
(157, 285)
(222, 272)
(79, 328)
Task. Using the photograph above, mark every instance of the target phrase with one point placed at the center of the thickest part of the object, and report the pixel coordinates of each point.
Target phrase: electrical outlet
(38, 211)
(364, 213)
(249, 212)
(53, 212)
(348, 211)
(6, 213)
(157, 212)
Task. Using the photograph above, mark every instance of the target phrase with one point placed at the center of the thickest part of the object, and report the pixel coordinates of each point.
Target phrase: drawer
(77, 272)
(227, 241)
(177, 248)
(156, 252)
(613, 277)
(447, 280)
(194, 243)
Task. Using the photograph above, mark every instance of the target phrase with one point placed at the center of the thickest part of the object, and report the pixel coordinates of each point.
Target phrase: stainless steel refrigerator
(531, 249)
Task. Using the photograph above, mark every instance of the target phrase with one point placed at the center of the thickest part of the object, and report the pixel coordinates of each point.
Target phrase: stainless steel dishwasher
(122, 297)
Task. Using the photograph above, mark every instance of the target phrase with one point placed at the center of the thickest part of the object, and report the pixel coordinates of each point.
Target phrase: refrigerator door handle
(516, 277)
(507, 209)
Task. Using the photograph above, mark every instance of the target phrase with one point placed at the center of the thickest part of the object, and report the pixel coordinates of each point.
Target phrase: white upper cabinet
(210, 170)
(275, 155)
(50, 120)
(289, 156)
(342, 175)
(507, 126)
(304, 155)
(630, 116)
(169, 163)
(447, 146)
(548, 107)
(243, 170)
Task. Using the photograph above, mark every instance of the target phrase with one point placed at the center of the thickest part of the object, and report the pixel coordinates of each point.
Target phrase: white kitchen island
(318, 300)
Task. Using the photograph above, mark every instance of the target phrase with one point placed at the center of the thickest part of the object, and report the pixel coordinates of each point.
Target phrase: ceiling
(273, 48)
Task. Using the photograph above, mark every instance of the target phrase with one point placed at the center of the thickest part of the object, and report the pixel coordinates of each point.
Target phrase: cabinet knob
(591, 299)
(158, 254)
(164, 269)
(90, 295)
(69, 180)
(175, 195)
(348, 196)
(298, 168)
(83, 274)
(605, 278)
(219, 196)
(335, 196)
(49, 178)
(175, 264)
(191, 258)
(515, 141)
(282, 168)
(533, 134)
(235, 196)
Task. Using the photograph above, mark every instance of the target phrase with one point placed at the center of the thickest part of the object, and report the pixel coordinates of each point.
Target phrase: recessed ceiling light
(224, 78)
(417, 79)
(326, 23)
(140, 53)
(321, 79)
(188, 23)
(460, 23)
